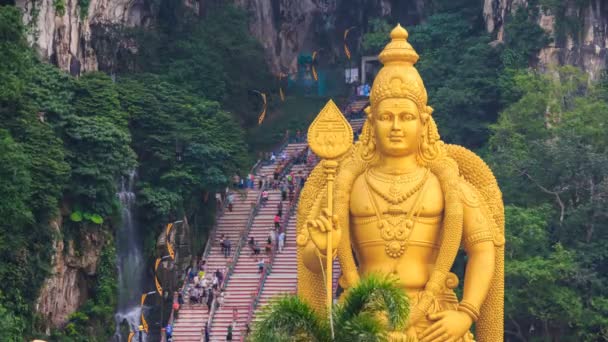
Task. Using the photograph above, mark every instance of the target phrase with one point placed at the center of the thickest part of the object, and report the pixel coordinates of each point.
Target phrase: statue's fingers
(326, 213)
(432, 332)
(443, 338)
(314, 225)
(435, 336)
(325, 223)
(436, 316)
(334, 219)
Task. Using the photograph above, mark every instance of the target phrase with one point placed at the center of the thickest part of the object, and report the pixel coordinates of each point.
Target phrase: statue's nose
(395, 125)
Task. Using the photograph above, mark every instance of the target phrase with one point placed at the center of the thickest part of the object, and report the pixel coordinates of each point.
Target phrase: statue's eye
(385, 117)
(407, 117)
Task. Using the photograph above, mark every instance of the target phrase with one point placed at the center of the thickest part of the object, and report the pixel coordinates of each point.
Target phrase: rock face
(287, 28)
(585, 49)
(67, 287)
(67, 38)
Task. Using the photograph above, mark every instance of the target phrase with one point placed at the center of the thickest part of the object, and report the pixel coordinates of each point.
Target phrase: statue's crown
(398, 78)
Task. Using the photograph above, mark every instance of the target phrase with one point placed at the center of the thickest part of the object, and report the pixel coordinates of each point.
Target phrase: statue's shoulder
(469, 194)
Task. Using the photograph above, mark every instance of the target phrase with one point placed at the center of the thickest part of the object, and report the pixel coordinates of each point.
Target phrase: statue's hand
(318, 231)
(449, 326)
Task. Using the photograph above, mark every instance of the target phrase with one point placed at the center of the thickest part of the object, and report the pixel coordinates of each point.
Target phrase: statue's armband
(477, 227)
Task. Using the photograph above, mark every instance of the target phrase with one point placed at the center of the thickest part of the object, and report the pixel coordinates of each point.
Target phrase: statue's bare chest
(370, 197)
(391, 217)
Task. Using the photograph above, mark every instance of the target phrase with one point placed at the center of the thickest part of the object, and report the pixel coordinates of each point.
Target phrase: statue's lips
(396, 138)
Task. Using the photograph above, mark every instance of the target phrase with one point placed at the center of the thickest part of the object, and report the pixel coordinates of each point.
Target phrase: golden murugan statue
(404, 202)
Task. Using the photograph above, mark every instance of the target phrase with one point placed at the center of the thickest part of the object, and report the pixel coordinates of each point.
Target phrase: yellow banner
(156, 264)
(314, 69)
(159, 289)
(169, 226)
(143, 319)
(263, 114)
(346, 49)
(143, 322)
(171, 251)
(131, 334)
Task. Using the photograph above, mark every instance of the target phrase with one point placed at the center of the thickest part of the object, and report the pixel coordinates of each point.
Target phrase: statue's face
(397, 127)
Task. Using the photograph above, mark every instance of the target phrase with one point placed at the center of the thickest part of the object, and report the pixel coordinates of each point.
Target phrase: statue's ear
(368, 111)
(426, 114)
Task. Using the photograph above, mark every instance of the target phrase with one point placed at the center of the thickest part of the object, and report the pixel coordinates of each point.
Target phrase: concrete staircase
(283, 276)
(243, 284)
(189, 326)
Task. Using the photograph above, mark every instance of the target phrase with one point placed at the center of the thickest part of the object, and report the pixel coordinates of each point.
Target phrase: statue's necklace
(396, 233)
(395, 196)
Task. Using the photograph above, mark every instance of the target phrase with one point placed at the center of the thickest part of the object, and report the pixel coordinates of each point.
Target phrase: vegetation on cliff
(180, 110)
(67, 141)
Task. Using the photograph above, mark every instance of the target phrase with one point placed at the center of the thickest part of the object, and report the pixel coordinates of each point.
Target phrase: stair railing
(268, 267)
(219, 214)
(244, 235)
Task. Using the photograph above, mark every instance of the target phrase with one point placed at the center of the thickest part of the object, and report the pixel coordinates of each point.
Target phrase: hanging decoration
(169, 244)
(346, 49)
(144, 323)
(263, 114)
(314, 69)
(159, 289)
(281, 92)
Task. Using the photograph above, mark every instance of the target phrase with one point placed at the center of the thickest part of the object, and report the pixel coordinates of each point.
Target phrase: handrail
(256, 166)
(213, 232)
(244, 234)
(208, 247)
(268, 269)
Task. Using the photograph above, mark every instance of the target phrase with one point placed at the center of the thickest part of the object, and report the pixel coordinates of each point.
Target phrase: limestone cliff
(584, 47)
(69, 36)
(72, 267)
(287, 28)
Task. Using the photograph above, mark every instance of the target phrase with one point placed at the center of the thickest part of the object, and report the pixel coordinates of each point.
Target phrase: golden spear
(329, 137)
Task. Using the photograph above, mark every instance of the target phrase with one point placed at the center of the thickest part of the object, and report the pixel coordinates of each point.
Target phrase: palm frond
(375, 294)
(363, 327)
(290, 319)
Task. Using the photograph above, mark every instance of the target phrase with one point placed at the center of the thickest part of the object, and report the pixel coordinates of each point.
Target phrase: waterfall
(130, 262)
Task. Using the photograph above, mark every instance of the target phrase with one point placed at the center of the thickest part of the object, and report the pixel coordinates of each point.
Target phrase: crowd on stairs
(251, 256)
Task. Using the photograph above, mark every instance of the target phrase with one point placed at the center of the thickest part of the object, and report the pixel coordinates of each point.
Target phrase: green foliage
(568, 18)
(377, 36)
(215, 58)
(59, 6)
(460, 70)
(84, 7)
(12, 326)
(549, 153)
(296, 113)
(186, 146)
(524, 39)
(97, 138)
(14, 56)
(357, 319)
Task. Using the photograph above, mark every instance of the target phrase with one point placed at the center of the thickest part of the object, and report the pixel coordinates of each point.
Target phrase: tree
(377, 36)
(460, 69)
(549, 153)
(357, 318)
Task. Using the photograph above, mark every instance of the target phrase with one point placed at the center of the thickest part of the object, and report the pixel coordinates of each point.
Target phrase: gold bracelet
(477, 237)
(469, 309)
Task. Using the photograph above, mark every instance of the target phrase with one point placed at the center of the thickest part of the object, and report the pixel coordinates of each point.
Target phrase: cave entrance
(370, 65)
